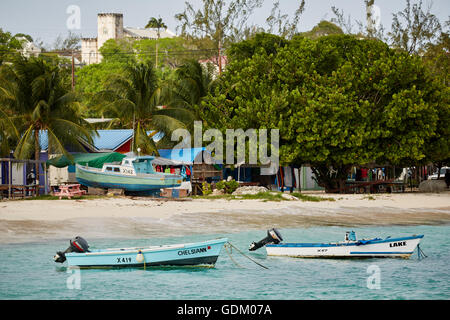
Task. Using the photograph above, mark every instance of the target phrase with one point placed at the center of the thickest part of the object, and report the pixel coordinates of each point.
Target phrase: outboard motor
(273, 236)
(77, 244)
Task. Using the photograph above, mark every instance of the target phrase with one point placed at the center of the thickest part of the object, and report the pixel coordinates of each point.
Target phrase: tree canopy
(338, 101)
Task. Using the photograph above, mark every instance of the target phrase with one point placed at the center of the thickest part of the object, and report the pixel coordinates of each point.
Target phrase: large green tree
(338, 102)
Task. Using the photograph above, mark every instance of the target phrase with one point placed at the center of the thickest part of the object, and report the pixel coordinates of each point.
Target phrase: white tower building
(110, 26)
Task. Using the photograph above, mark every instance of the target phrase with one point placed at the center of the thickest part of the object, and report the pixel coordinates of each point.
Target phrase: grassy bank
(267, 196)
(263, 196)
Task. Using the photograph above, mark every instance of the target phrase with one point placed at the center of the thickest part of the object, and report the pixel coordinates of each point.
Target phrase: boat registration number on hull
(128, 171)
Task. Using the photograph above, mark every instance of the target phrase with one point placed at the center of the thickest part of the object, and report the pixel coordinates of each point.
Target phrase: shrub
(206, 188)
(227, 186)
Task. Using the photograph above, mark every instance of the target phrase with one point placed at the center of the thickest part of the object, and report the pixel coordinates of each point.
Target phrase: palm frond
(181, 114)
(56, 145)
(25, 146)
(166, 124)
(143, 141)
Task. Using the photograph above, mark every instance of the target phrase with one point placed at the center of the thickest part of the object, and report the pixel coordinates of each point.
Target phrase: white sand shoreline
(123, 207)
(126, 218)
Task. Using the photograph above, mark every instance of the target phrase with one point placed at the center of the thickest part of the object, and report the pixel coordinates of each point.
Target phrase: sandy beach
(142, 217)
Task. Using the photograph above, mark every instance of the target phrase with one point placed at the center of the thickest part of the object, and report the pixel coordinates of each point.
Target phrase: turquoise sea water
(27, 271)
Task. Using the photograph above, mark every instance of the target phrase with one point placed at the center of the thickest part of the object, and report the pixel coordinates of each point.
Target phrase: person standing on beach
(447, 178)
(30, 179)
(363, 174)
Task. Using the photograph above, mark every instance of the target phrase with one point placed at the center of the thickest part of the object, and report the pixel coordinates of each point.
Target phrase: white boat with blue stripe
(400, 247)
(204, 253)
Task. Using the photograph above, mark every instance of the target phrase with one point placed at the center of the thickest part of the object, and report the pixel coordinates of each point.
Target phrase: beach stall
(289, 178)
(19, 175)
(18, 178)
(197, 165)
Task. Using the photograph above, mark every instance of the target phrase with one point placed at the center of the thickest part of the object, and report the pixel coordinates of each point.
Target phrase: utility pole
(73, 72)
(220, 57)
(157, 52)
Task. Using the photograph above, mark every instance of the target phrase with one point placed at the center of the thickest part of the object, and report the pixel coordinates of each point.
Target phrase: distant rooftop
(149, 33)
(106, 139)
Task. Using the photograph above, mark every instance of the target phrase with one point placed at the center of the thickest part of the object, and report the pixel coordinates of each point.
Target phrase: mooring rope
(229, 254)
(232, 246)
(420, 253)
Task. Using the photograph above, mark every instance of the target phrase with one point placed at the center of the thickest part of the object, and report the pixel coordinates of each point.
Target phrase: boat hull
(95, 178)
(376, 248)
(191, 254)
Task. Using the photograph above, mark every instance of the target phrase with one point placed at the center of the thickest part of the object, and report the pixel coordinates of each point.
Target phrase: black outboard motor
(273, 236)
(77, 244)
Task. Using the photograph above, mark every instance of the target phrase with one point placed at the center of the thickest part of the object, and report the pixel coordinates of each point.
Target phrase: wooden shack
(202, 169)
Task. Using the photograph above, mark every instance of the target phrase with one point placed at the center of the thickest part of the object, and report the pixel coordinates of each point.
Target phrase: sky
(45, 20)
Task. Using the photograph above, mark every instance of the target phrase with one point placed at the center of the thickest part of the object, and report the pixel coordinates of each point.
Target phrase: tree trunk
(333, 183)
(439, 170)
(157, 49)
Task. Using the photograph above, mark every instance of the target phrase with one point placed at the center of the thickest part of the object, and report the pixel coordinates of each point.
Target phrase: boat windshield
(143, 166)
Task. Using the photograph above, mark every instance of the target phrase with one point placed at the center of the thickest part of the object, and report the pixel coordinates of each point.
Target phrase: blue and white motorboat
(204, 253)
(351, 247)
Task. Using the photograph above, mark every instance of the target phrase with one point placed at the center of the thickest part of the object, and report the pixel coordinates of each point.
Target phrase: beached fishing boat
(401, 247)
(135, 174)
(186, 254)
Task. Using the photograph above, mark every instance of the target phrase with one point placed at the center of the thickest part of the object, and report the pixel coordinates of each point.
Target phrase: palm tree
(135, 99)
(39, 99)
(156, 24)
(193, 82)
(8, 132)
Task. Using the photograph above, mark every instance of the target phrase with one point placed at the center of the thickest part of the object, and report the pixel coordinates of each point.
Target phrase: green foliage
(227, 186)
(9, 45)
(338, 101)
(118, 51)
(261, 41)
(191, 82)
(206, 188)
(156, 24)
(135, 100)
(306, 197)
(172, 52)
(266, 196)
(92, 78)
(437, 57)
(323, 28)
(38, 98)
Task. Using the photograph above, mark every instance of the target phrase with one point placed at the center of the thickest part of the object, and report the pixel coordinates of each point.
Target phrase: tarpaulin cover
(95, 160)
